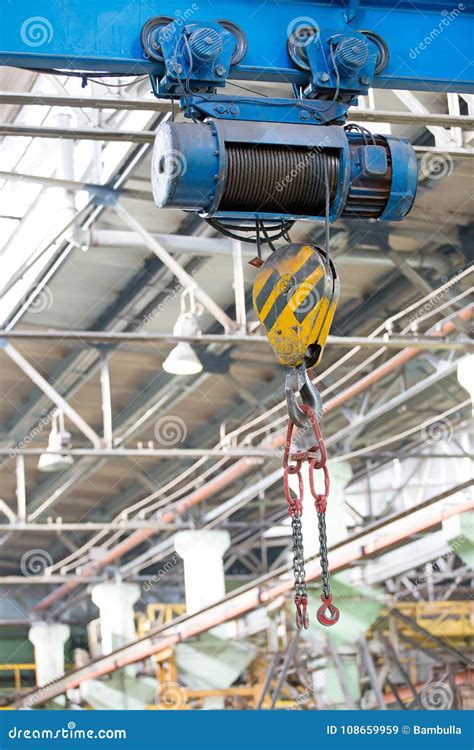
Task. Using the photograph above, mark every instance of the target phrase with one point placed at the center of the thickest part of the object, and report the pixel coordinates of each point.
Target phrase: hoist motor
(258, 170)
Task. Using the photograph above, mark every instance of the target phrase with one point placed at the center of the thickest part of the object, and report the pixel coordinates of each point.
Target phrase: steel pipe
(148, 136)
(23, 98)
(90, 337)
(148, 452)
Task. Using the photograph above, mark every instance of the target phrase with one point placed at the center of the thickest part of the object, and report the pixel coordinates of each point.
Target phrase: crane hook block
(295, 295)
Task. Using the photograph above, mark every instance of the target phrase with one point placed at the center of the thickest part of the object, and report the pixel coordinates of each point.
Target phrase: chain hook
(326, 606)
(298, 381)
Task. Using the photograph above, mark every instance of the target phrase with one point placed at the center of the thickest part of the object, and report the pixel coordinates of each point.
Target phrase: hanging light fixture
(465, 375)
(59, 438)
(182, 359)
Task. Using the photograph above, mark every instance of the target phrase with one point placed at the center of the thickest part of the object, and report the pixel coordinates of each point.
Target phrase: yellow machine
(295, 296)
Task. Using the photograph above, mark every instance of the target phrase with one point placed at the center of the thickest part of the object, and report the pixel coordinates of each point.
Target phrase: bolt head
(219, 70)
(365, 80)
(304, 115)
(324, 77)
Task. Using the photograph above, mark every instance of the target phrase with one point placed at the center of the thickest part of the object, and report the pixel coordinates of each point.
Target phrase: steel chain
(316, 458)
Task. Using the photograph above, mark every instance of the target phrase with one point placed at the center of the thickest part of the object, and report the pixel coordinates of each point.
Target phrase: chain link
(316, 458)
(323, 554)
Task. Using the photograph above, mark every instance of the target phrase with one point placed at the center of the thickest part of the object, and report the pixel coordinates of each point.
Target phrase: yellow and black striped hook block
(295, 295)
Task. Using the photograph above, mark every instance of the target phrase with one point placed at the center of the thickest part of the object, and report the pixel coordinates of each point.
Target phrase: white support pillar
(48, 640)
(117, 625)
(204, 578)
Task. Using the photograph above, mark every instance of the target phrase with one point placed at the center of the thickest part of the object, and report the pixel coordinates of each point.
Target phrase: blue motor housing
(249, 170)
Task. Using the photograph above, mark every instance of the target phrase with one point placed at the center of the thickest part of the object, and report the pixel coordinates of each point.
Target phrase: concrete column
(48, 640)
(202, 553)
(115, 602)
(204, 578)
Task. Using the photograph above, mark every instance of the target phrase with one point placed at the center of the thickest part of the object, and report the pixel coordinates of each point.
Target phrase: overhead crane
(252, 165)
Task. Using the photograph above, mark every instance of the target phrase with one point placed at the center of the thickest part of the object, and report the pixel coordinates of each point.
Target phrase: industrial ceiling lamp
(466, 375)
(182, 359)
(59, 438)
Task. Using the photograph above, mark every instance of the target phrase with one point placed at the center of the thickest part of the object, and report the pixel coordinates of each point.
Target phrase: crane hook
(298, 381)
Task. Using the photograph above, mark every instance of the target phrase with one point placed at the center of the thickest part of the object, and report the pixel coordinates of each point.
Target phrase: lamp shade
(182, 360)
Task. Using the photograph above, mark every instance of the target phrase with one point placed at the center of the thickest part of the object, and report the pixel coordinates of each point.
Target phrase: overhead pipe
(241, 467)
(21, 98)
(372, 342)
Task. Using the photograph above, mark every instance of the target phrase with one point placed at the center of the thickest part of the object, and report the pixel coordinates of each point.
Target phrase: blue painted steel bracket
(266, 109)
(430, 41)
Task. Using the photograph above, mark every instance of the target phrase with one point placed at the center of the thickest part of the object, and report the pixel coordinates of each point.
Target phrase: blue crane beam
(430, 42)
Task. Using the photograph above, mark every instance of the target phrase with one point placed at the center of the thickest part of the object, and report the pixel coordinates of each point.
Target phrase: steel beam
(364, 254)
(77, 45)
(76, 134)
(257, 452)
(53, 528)
(396, 401)
(371, 671)
(442, 644)
(369, 342)
(148, 136)
(183, 276)
(106, 402)
(411, 118)
(50, 392)
(20, 487)
(22, 98)
(76, 186)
